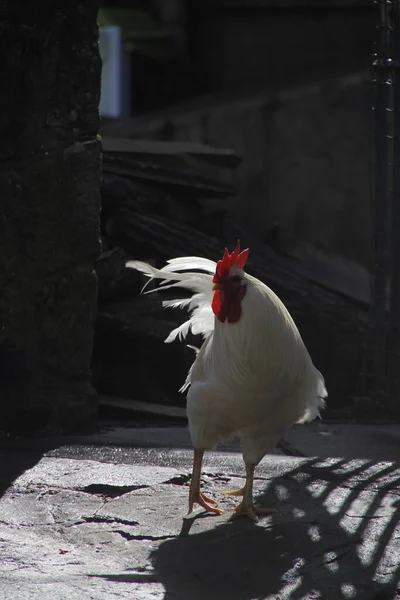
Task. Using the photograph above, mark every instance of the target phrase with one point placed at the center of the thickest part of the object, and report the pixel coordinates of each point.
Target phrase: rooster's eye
(235, 279)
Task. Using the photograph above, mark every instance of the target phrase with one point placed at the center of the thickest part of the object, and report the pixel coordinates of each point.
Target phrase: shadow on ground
(339, 539)
(14, 461)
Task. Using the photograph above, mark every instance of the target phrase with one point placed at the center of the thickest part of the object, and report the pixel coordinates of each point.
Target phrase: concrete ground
(103, 517)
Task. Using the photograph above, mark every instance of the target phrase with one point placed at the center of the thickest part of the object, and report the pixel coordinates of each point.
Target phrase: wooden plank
(219, 156)
(192, 181)
(334, 272)
(163, 410)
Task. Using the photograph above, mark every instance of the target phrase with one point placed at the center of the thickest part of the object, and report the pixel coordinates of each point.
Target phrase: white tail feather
(190, 262)
(199, 305)
(193, 348)
(178, 303)
(180, 332)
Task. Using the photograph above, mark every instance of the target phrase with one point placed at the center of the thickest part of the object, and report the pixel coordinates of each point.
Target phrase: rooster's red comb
(236, 259)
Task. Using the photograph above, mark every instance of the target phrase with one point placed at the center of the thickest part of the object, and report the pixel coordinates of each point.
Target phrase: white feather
(179, 303)
(180, 332)
(201, 321)
(196, 350)
(190, 262)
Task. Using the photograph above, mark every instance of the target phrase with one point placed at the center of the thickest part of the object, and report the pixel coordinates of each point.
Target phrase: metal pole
(382, 87)
(394, 323)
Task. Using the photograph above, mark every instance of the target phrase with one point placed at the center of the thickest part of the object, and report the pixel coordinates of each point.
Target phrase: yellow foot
(205, 502)
(234, 493)
(248, 510)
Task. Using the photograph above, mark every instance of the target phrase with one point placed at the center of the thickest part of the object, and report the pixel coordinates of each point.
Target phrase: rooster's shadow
(303, 551)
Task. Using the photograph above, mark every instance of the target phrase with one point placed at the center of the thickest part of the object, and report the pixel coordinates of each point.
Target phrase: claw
(234, 492)
(208, 499)
(203, 500)
(248, 510)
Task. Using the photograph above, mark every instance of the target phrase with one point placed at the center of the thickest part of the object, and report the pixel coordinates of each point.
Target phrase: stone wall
(49, 207)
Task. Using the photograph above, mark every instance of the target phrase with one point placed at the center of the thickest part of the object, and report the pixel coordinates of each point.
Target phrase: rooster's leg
(195, 495)
(246, 507)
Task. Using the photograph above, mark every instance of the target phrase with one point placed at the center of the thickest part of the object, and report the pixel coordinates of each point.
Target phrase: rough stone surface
(49, 226)
(79, 528)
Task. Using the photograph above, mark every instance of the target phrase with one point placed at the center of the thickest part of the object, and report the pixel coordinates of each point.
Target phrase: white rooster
(251, 378)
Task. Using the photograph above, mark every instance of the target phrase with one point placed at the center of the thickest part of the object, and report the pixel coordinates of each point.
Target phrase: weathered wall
(305, 157)
(49, 207)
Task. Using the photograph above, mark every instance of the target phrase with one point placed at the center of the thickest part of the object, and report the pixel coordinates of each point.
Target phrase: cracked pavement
(104, 517)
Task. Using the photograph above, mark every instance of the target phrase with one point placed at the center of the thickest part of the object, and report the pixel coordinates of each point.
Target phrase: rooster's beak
(217, 286)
